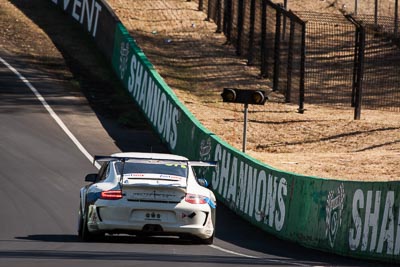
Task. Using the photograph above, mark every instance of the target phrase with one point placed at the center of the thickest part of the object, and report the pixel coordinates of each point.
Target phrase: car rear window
(152, 166)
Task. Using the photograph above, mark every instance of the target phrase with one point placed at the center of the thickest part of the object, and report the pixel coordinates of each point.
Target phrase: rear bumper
(152, 219)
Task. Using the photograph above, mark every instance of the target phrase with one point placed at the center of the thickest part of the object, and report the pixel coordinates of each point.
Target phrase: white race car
(147, 194)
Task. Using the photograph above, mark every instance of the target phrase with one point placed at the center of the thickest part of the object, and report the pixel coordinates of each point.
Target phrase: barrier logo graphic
(123, 59)
(205, 155)
(334, 210)
(205, 149)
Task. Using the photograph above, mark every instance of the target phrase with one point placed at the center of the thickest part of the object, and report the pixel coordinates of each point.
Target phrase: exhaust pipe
(152, 228)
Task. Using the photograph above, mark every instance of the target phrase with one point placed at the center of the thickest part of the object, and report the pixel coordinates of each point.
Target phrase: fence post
(219, 16)
(277, 51)
(284, 21)
(355, 7)
(358, 67)
(264, 51)
(289, 69)
(302, 67)
(240, 22)
(251, 32)
(201, 5)
(228, 19)
(355, 67)
(208, 10)
(360, 73)
(396, 18)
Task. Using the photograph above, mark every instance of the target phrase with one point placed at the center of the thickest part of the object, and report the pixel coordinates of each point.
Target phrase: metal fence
(334, 72)
(330, 58)
(381, 83)
(381, 13)
(322, 58)
(268, 36)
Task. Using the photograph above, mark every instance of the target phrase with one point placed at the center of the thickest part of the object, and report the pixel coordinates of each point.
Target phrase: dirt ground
(197, 64)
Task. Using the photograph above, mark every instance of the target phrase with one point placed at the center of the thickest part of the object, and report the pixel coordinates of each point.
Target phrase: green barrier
(358, 219)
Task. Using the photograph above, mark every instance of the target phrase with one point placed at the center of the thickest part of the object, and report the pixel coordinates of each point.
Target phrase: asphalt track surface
(41, 171)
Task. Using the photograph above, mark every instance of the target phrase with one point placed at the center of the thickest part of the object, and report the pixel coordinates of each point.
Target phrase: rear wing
(102, 159)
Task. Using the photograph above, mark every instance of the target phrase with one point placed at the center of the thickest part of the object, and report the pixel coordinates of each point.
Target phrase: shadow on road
(114, 107)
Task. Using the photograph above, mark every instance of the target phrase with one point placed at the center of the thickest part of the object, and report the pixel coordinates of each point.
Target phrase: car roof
(141, 155)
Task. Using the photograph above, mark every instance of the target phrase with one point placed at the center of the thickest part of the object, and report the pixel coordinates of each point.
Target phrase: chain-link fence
(330, 57)
(381, 83)
(332, 61)
(268, 36)
(382, 13)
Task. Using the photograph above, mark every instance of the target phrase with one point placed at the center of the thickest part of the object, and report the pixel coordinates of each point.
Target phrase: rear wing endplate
(102, 159)
(203, 163)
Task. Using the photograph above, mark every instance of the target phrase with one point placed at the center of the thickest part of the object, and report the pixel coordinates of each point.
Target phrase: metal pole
(228, 20)
(284, 21)
(208, 10)
(396, 18)
(355, 7)
(355, 66)
(302, 67)
(264, 51)
(360, 76)
(376, 13)
(201, 5)
(219, 16)
(288, 91)
(240, 22)
(251, 32)
(277, 52)
(246, 107)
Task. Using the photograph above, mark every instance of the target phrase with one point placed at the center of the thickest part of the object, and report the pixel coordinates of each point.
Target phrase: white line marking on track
(255, 257)
(51, 112)
(233, 252)
(90, 157)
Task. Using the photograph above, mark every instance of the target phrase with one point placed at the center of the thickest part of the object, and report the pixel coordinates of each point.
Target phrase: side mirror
(92, 177)
(203, 182)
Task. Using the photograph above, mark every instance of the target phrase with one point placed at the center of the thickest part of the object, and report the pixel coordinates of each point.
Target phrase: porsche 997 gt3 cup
(147, 194)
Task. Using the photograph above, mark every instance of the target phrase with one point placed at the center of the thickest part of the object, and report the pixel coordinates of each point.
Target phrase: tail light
(111, 195)
(196, 199)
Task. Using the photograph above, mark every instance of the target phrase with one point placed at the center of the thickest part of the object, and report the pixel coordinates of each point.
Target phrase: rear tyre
(83, 231)
(80, 221)
(208, 241)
